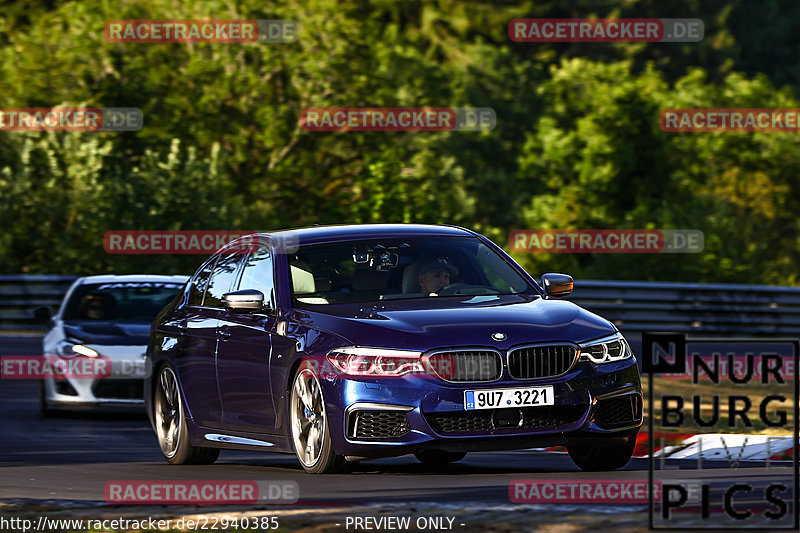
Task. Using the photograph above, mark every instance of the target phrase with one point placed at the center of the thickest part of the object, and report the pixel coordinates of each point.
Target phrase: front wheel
(173, 436)
(601, 454)
(310, 431)
(44, 405)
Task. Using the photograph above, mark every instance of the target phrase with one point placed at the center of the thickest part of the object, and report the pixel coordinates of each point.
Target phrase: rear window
(120, 302)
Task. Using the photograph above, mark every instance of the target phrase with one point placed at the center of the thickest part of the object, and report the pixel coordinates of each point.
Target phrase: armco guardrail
(21, 294)
(704, 308)
(634, 306)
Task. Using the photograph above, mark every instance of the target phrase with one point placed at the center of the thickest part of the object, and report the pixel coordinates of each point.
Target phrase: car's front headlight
(68, 348)
(372, 362)
(606, 350)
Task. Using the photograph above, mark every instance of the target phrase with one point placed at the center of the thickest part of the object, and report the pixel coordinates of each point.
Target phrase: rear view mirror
(557, 285)
(384, 261)
(42, 314)
(247, 300)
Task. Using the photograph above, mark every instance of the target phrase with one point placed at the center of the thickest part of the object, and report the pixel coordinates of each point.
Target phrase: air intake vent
(377, 424)
(538, 418)
(620, 411)
(122, 389)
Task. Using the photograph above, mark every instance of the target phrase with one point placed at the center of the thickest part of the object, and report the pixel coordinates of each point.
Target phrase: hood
(108, 333)
(464, 321)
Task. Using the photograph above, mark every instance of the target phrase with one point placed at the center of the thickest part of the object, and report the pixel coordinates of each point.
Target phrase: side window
(199, 282)
(493, 277)
(222, 279)
(499, 274)
(258, 274)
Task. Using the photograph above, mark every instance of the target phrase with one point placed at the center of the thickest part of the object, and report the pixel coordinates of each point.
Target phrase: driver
(434, 273)
(98, 306)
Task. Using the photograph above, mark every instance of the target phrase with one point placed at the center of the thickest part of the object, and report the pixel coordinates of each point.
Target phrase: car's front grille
(492, 419)
(120, 389)
(378, 424)
(541, 361)
(618, 411)
(466, 365)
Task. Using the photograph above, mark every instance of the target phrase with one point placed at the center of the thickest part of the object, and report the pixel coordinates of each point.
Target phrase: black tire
(170, 419)
(304, 421)
(601, 454)
(44, 408)
(435, 457)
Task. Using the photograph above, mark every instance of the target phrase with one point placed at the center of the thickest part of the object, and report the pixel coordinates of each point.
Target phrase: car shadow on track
(101, 416)
(404, 466)
(521, 462)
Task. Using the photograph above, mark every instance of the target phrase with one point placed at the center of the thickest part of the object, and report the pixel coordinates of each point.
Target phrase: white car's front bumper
(120, 386)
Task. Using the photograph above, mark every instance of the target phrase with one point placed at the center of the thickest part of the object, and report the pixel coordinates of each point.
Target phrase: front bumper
(121, 388)
(395, 416)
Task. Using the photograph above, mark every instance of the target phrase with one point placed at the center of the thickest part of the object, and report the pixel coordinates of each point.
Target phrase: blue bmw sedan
(347, 343)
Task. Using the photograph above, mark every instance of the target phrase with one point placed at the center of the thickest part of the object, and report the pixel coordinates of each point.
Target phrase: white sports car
(103, 318)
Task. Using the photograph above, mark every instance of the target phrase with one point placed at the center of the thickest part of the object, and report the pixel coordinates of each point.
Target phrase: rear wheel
(173, 436)
(601, 454)
(310, 431)
(434, 456)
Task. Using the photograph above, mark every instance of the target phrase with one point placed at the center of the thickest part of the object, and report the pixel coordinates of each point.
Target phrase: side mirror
(42, 314)
(557, 285)
(247, 300)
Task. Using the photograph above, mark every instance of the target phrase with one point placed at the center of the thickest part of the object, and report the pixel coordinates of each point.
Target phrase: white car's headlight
(70, 348)
(606, 350)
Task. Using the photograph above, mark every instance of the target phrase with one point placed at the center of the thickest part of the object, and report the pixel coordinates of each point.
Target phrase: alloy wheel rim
(308, 417)
(168, 413)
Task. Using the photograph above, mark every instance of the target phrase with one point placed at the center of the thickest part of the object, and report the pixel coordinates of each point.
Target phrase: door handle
(224, 333)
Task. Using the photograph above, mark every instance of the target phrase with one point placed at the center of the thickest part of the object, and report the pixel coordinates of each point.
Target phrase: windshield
(120, 302)
(393, 269)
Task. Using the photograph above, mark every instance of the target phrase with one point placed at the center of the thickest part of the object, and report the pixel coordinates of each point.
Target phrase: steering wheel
(453, 289)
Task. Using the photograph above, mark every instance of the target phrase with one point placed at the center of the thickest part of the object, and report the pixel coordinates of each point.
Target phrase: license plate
(499, 398)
